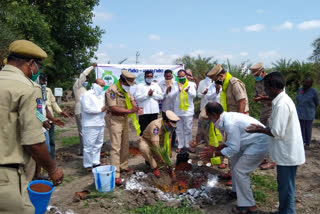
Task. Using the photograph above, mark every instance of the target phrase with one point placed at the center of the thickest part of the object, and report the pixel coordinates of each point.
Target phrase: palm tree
(199, 65)
(316, 52)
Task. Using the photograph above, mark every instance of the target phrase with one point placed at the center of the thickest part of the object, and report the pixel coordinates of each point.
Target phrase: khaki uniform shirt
(19, 124)
(236, 91)
(51, 103)
(154, 132)
(78, 89)
(266, 106)
(114, 97)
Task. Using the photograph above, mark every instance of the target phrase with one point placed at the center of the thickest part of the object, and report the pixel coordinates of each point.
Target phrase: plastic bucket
(40, 194)
(104, 178)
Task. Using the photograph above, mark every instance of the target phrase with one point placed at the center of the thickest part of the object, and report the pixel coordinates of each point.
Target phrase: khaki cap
(215, 71)
(173, 118)
(25, 48)
(255, 69)
(129, 77)
(203, 113)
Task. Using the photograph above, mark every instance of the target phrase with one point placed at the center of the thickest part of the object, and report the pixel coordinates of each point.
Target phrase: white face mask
(98, 90)
(125, 88)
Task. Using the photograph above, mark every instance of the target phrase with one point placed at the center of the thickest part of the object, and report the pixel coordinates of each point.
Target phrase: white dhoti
(92, 143)
(184, 131)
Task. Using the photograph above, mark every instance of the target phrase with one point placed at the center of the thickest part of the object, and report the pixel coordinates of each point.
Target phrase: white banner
(110, 73)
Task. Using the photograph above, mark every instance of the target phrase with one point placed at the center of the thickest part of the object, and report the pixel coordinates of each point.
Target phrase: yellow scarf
(132, 116)
(166, 142)
(184, 103)
(215, 137)
(223, 96)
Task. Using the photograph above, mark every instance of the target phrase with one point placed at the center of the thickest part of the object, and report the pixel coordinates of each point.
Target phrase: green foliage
(162, 152)
(160, 208)
(199, 65)
(263, 186)
(64, 29)
(316, 52)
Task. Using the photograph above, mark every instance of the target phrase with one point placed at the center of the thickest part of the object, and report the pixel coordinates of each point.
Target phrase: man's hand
(260, 97)
(217, 88)
(205, 91)
(187, 89)
(58, 122)
(135, 109)
(168, 89)
(56, 176)
(150, 92)
(140, 111)
(103, 108)
(254, 128)
(65, 115)
(46, 125)
(207, 153)
(94, 64)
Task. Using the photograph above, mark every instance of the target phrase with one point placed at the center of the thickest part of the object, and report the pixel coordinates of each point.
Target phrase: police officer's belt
(15, 166)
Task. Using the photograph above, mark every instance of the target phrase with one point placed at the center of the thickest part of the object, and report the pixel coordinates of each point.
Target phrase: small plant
(160, 208)
(264, 187)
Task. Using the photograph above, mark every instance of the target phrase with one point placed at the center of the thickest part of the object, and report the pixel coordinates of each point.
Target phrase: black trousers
(306, 131)
(145, 120)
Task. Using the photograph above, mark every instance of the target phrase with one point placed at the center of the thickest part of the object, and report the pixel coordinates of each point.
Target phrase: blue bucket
(40, 200)
(104, 178)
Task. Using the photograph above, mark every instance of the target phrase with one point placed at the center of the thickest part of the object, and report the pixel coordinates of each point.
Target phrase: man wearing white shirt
(166, 86)
(245, 150)
(92, 117)
(208, 91)
(286, 146)
(147, 95)
(79, 88)
(183, 92)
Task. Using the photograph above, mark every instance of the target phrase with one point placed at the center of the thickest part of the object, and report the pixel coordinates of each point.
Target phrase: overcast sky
(253, 30)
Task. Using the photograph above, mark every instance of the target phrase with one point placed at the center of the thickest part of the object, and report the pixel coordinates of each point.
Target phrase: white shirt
(149, 104)
(234, 124)
(78, 89)
(211, 95)
(91, 105)
(201, 88)
(167, 102)
(286, 147)
(175, 94)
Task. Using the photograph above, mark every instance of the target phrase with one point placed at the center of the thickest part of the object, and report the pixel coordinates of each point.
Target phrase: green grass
(264, 187)
(67, 141)
(67, 179)
(95, 194)
(160, 208)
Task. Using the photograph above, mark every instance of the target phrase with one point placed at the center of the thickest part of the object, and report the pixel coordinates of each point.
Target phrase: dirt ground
(122, 200)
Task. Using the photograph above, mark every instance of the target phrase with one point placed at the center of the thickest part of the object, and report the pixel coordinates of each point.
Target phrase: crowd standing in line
(29, 138)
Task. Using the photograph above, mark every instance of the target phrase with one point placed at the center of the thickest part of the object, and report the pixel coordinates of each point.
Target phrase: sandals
(244, 210)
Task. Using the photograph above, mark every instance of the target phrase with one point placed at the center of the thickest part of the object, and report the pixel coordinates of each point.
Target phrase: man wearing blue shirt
(307, 102)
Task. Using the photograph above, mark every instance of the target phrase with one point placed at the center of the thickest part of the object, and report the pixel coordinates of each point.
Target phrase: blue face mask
(149, 80)
(258, 78)
(85, 84)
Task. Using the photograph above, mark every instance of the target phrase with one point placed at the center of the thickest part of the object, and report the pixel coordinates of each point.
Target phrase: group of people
(224, 124)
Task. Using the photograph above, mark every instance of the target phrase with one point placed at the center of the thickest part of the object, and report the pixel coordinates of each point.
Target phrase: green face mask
(34, 77)
(182, 79)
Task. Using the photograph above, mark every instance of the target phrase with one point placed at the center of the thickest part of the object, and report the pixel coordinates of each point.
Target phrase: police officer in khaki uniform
(117, 114)
(234, 95)
(153, 137)
(21, 134)
(237, 98)
(258, 73)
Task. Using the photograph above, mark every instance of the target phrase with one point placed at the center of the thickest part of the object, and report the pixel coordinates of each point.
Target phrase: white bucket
(104, 178)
